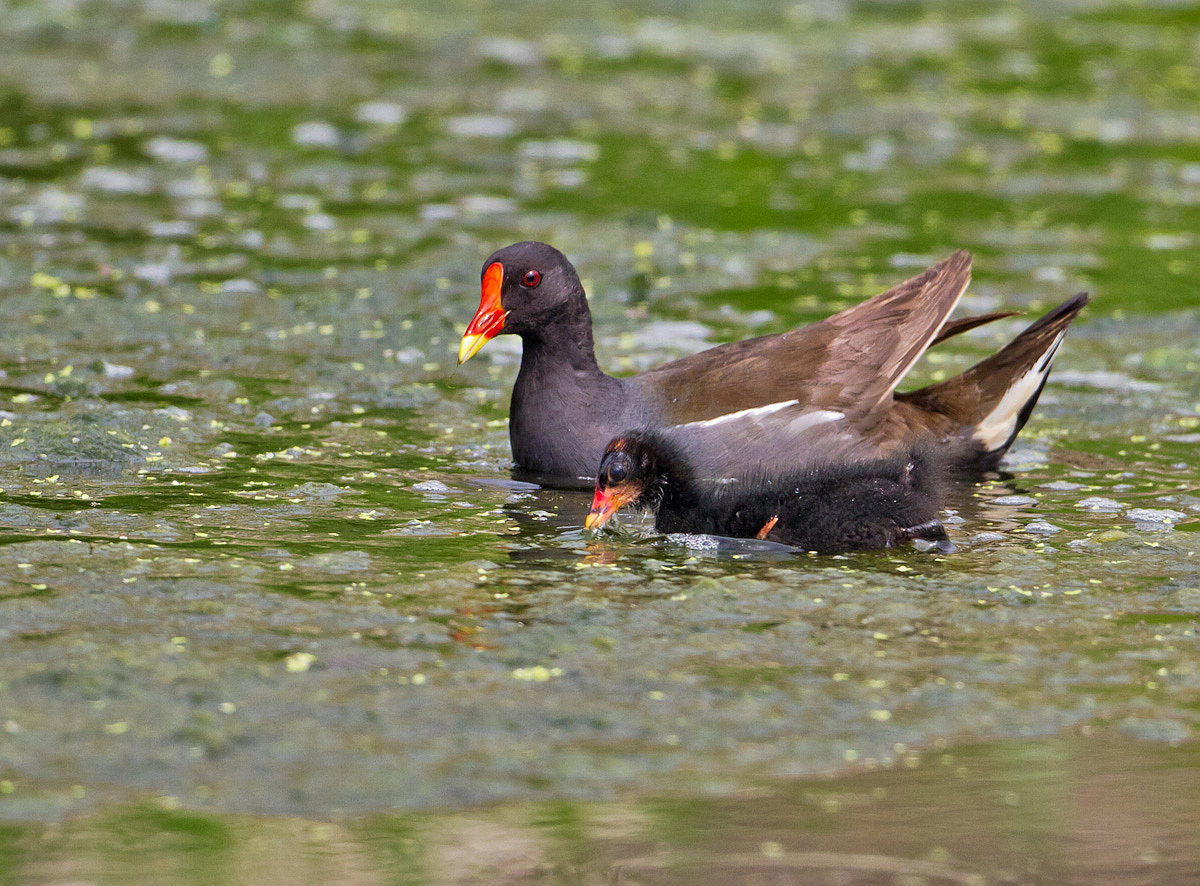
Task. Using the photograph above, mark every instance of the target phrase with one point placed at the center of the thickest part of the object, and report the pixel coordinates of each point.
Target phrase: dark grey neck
(568, 346)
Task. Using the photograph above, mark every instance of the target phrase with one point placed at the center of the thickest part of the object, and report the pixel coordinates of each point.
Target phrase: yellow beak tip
(598, 519)
(470, 347)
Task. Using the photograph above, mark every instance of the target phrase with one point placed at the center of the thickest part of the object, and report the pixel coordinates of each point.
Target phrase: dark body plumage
(823, 393)
(879, 503)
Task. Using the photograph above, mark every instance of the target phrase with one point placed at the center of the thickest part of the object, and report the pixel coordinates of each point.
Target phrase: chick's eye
(531, 279)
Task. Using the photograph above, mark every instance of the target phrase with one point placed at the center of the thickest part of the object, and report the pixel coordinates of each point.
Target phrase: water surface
(262, 556)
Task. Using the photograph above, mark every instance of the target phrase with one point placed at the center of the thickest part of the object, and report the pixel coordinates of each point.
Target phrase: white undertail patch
(999, 425)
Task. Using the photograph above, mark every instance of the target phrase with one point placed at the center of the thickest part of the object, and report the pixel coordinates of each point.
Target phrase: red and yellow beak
(606, 503)
(489, 319)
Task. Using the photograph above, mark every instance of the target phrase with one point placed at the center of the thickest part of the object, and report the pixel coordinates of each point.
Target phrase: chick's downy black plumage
(879, 503)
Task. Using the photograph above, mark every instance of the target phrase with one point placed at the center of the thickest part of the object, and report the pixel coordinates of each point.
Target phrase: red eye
(531, 279)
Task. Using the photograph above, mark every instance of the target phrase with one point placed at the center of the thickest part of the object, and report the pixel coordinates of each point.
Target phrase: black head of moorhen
(822, 393)
(881, 503)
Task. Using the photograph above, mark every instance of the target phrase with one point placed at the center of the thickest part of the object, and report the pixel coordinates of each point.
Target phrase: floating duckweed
(299, 662)
(536, 673)
(221, 65)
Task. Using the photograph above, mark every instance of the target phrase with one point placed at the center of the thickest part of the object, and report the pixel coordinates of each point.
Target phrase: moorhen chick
(881, 503)
(822, 393)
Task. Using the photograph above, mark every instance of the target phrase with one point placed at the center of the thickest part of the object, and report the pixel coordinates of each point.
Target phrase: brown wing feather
(850, 362)
(880, 339)
(971, 395)
(952, 328)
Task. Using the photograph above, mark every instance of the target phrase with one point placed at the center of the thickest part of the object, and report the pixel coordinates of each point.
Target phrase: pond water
(270, 598)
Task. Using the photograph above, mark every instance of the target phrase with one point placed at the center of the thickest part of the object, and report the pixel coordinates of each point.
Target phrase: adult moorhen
(881, 503)
(824, 392)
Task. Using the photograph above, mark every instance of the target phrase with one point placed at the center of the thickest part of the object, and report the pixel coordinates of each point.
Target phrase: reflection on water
(1086, 811)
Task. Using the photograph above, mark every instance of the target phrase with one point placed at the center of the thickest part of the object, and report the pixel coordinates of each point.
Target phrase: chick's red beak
(489, 319)
(604, 505)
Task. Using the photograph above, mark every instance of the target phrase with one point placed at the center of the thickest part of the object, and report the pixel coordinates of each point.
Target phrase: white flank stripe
(801, 423)
(999, 424)
(809, 419)
(741, 413)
